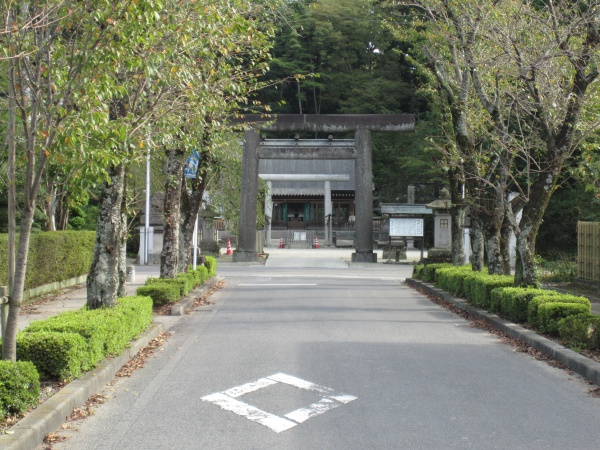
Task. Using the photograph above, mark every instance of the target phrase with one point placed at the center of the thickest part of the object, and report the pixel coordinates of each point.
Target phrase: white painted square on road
(228, 400)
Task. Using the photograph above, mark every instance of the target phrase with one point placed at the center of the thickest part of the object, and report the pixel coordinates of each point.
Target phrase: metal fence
(588, 250)
(296, 238)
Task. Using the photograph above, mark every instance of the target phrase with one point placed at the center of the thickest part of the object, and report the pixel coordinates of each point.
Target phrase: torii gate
(361, 124)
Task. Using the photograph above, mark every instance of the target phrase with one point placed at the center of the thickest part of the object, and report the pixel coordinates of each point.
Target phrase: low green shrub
(429, 272)
(418, 271)
(533, 316)
(19, 387)
(513, 302)
(161, 293)
(480, 287)
(190, 281)
(450, 279)
(91, 326)
(202, 274)
(179, 282)
(211, 265)
(574, 330)
(550, 314)
(56, 356)
(594, 336)
(137, 314)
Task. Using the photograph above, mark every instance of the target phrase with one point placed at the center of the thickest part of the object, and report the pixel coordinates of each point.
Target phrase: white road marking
(278, 284)
(322, 406)
(249, 387)
(275, 423)
(300, 384)
(227, 401)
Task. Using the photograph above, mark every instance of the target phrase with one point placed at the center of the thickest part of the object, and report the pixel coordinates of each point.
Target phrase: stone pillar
(268, 213)
(328, 211)
(363, 199)
(246, 248)
(442, 236)
(209, 243)
(410, 199)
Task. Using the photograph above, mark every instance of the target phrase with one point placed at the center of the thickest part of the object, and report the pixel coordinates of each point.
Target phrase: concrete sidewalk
(74, 298)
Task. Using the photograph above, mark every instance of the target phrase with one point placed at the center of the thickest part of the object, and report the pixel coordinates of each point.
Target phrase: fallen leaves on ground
(138, 361)
(204, 300)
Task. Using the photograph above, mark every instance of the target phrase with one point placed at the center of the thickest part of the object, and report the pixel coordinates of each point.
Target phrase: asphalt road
(336, 357)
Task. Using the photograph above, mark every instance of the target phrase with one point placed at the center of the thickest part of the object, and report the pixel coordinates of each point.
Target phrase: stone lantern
(209, 243)
(442, 236)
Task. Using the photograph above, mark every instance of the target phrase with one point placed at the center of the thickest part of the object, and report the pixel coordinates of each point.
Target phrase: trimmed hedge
(161, 293)
(92, 327)
(181, 283)
(210, 263)
(575, 330)
(429, 271)
(551, 313)
(63, 346)
(513, 302)
(57, 356)
(418, 271)
(19, 387)
(451, 279)
(478, 288)
(53, 256)
(533, 313)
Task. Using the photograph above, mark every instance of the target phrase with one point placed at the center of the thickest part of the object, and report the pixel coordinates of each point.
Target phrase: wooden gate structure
(588, 250)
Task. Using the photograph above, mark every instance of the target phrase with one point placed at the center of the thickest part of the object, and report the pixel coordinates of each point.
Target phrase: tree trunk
(457, 214)
(103, 278)
(493, 251)
(122, 264)
(170, 252)
(505, 233)
(191, 204)
(50, 207)
(9, 342)
(526, 274)
(477, 246)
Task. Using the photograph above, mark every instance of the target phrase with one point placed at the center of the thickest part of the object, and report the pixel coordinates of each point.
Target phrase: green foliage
(181, 283)
(533, 311)
(53, 256)
(137, 314)
(513, 302)
(551, 313)
(418, 271)
(574, 330)
(200, 274)
(211, 265)
(481, 287)
(429, 272)
(161, 293)
(63, 346)
(451, 279)
(561, 268)
(92, 327)
(594, 336)
(19, 387)
(56, 356)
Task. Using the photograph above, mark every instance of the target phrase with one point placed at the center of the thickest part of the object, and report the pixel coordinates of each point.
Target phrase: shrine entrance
(358, 149)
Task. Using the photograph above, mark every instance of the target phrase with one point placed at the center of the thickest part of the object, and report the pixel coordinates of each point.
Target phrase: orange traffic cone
(316, 242)
(229, 252)
(281, 242)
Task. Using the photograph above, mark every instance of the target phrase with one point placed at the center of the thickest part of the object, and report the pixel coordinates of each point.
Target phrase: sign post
(406, 227)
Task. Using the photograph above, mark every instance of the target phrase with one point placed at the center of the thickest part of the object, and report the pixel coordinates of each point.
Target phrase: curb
(183, 306)
(29, 432)
(579, 364)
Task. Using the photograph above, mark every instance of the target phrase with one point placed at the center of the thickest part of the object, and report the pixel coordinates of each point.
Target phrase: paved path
(336, 358)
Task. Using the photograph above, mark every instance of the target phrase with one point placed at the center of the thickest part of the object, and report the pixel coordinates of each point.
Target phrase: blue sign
(191, 165)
